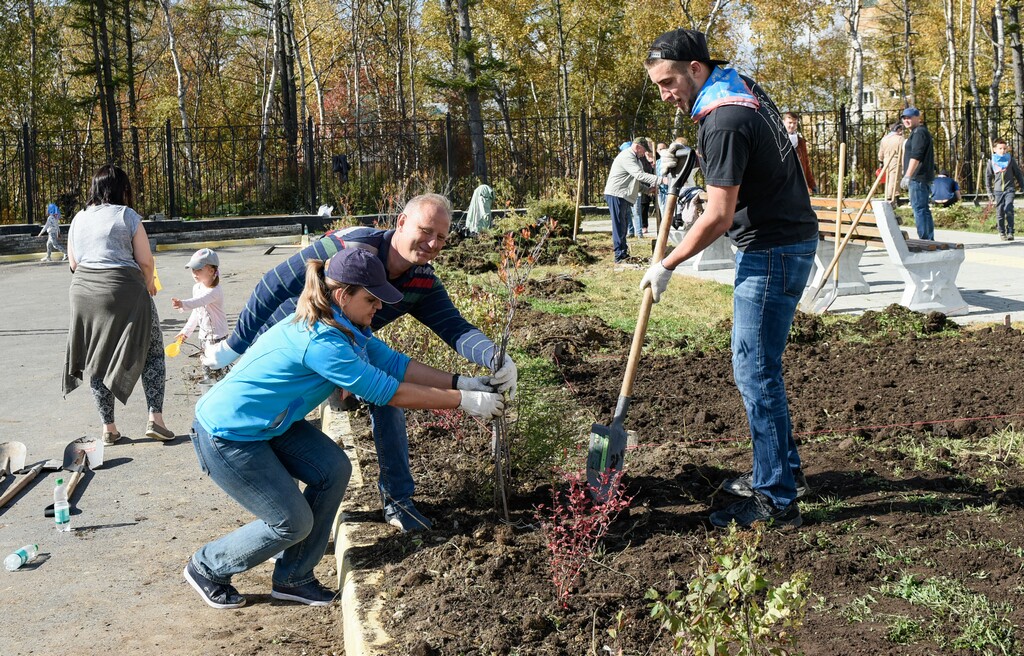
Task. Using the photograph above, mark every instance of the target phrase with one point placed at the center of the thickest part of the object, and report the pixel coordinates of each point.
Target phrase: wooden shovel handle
(19, 484)
(648, 300)
(856, 220)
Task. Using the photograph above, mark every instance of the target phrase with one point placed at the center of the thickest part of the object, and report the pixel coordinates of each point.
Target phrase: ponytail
(314, 302)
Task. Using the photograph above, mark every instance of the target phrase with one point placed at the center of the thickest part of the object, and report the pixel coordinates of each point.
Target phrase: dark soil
(859, 396)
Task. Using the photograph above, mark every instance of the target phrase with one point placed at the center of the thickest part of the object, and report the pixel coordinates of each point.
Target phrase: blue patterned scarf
(724, 87)
(1000, 162)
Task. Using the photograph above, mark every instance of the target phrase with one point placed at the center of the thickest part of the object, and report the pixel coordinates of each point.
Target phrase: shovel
(26, 477)
(12, 458)
(607, 451)
(810, 302)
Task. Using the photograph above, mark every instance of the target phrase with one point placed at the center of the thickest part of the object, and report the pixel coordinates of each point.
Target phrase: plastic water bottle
(21, 556)
(61, 507)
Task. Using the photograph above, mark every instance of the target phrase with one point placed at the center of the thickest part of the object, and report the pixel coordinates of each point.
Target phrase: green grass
(962, 216)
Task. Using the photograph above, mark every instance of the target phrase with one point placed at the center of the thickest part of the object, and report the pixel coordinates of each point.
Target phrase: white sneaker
(45, 259)
(65, 258)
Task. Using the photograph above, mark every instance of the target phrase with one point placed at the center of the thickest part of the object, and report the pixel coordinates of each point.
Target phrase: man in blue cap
(919, 171)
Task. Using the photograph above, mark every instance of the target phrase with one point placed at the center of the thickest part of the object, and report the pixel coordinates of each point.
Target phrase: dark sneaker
(1009, 236)
(110, 437)
(404, 516)
(1003, 237)
(311, 593)
(741, 485)
(757, 508)
(218, 595)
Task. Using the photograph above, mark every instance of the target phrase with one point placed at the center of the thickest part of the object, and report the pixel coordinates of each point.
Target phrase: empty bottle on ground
(21, 556)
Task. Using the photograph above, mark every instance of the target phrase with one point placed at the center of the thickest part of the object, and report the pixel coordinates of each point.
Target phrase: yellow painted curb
(280, 240)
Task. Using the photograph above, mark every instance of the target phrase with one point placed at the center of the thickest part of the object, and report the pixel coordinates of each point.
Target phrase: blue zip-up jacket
(291, 370)
(424, 297)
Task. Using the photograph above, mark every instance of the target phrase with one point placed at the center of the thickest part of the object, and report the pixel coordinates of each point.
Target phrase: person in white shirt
(207, 302)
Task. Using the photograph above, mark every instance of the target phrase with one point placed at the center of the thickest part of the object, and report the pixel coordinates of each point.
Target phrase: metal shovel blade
(12, 458)
(91, 446)
(605, 458)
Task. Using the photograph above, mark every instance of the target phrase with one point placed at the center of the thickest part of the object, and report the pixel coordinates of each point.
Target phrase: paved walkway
(991, 278)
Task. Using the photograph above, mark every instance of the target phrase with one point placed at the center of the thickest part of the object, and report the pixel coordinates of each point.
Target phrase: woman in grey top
(114, 336)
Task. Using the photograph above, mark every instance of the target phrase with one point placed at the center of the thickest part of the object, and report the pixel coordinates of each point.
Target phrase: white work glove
(668, 157)
(905, 182)
(506, 377)
(656, 278)
(477, 384)
(486, 405)
(219, 355)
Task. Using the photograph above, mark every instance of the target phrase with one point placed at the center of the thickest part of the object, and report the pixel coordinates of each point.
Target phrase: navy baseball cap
(910, 111)
(358, 266)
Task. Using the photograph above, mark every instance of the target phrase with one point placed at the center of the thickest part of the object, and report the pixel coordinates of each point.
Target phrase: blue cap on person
(910, 111)
(358, 266)
(202, 257)
(52, 209)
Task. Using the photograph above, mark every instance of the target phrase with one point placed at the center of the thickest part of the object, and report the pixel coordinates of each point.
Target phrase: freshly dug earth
(882, 414)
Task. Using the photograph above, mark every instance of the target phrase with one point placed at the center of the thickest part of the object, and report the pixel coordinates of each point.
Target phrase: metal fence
(367, 167)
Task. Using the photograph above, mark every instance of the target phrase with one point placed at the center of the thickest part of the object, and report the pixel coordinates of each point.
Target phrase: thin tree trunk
(100, 88)
(109, 95)
(190, 164)
(476, 123)
(1017, 60)
(908, 52)
(314, 73)
(998, 51)
(972, 72)
(268, 103)
(289, 108)
(133, 130)
(32, 79)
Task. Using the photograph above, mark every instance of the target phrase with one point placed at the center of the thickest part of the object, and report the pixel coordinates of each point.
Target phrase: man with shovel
(756, 195)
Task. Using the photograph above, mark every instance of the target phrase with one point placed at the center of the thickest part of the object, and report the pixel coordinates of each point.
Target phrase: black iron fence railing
(369, 167)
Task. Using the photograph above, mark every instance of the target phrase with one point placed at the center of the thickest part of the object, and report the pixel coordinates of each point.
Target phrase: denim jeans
(638, 224)
(621, 212)
(392, 442)
(1004, 212)
(768, 287)
(920, 195)
(259, 476)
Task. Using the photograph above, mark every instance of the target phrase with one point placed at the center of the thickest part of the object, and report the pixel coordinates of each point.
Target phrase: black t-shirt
(740, 146)
(919, 147)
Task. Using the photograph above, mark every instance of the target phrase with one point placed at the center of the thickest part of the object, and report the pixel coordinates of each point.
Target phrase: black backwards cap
(683, 45)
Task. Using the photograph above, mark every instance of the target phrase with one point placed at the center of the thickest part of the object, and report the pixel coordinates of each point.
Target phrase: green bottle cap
(60, 481)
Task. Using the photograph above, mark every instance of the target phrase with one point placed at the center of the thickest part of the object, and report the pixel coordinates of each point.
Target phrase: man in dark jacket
(919, 171)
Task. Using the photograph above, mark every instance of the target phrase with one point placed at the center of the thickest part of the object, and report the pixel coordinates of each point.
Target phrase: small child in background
(207, 302)
(52, 228)
(1001, 176)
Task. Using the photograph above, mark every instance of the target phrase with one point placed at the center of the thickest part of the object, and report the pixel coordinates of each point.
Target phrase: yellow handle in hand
(173, 349)
(156, 282)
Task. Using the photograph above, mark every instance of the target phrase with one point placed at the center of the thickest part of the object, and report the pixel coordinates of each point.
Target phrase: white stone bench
(929, 268)
(719, 255)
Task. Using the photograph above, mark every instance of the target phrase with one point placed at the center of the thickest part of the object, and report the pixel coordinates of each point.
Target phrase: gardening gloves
(486, 405)
(506, 377)
(656, 278)
(905, 182)
(219, 355)
(477, 384)
(668, 157)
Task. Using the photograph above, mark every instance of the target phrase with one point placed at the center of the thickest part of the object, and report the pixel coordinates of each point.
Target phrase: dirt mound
(559, 337)
(553, 286)
(482, 253)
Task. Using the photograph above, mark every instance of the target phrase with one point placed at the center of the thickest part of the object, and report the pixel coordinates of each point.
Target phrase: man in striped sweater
(406, 252)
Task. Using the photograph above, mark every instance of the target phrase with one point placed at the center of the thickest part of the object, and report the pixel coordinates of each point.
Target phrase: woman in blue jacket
(251, 437)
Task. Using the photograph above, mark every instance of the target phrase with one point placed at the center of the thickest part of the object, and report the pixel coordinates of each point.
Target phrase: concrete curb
(361, 628)
(282, 240)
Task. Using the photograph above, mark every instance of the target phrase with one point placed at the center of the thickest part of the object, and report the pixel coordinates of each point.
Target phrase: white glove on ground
(668, 157)
(219, 355)
(506, 377)
(904, 182)
(656, 278)
(477, 384)
(486, 405)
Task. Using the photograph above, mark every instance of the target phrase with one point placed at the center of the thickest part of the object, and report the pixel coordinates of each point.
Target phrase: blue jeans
(768, 287)
(920, 195)
(621, 212)
(259, 476)
(1004, 212)
(638, 225)
(392, 442)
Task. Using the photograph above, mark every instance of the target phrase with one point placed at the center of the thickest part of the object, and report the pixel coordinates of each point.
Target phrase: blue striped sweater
(424, 297)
